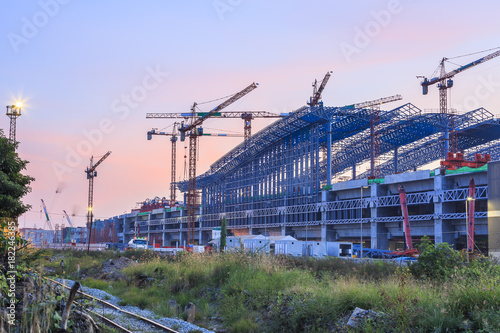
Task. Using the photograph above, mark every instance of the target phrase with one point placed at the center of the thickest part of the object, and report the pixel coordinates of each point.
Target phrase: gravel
(130, 323)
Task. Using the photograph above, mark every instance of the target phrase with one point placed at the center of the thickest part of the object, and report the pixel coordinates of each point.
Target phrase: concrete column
(378, 230)
(494, 209)
(442, 230)
(200, 240)
(323, 232)
(283, 230)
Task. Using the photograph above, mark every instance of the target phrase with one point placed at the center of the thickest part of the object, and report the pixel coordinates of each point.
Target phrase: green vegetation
(223, 234)
(261, 293)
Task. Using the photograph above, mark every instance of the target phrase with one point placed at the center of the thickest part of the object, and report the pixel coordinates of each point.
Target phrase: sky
(87, 73)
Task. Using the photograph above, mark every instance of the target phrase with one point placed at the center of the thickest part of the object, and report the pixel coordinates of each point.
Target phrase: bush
(437, 263)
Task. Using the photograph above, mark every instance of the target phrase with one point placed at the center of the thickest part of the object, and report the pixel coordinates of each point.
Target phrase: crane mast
(193, 132)
(173, 140)
(91, 174)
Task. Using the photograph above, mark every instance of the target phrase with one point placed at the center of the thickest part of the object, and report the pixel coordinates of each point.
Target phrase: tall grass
(261, 293)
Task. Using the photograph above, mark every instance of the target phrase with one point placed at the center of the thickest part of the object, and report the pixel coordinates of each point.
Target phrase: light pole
(467, 225)
(13, 112)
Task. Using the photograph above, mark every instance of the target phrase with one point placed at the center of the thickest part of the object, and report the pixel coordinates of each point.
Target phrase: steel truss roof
(417, 136)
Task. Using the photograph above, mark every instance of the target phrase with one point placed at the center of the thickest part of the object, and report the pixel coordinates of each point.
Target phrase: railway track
(110, 322)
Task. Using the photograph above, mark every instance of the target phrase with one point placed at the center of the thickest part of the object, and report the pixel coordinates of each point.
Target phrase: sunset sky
(88, 72)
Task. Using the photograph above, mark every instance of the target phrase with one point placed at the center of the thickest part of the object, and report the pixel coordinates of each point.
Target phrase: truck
(138, 243)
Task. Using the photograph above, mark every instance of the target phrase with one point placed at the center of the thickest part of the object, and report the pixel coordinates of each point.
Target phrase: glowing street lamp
(13, 112)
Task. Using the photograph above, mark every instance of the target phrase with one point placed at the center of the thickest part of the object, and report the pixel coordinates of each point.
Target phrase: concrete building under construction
(303, 176)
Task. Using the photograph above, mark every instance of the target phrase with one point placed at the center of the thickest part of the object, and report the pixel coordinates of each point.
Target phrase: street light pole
(361, 223)
(467, 219)
(467, 228)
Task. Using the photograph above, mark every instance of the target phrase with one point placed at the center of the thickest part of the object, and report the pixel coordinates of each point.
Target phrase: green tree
(13, 184)
(425, 244)
(223, 234)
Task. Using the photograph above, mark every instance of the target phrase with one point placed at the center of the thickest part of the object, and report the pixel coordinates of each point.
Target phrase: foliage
(437, 263)
(223, 234)
(251, 292)
(13, 184)
(425, 244)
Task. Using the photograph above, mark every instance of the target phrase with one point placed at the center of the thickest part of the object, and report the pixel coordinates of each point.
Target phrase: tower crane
(173, 139)
(91, 174)
(444, 82)
(316, 97)
(247, 117)
(193, 131)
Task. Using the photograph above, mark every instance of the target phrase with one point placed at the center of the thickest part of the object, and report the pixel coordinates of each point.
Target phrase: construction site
(357, 173)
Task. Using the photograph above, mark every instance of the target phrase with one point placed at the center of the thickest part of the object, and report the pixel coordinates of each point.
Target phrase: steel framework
(275, 178)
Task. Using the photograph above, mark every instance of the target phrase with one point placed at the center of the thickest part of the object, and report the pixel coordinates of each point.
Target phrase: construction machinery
(47, 221)
(68, 238)
(409, 251)
(444, 82)
(68, 219)
(91, 174)
(314, 100)
(173, 139)
(193, 132)
(247, 117)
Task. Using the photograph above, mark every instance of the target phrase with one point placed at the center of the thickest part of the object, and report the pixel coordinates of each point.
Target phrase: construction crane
(193, 132)
(67, 218)
(47, 216)
(68, 239)
(444, 82)
(91, 174)
(13, 112)
(247, 117)
(314, 100)
(378, 101)
(173, 139)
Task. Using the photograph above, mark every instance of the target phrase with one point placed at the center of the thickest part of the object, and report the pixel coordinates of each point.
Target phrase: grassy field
(260, 293)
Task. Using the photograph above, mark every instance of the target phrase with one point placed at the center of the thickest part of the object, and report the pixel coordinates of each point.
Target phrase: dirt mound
(111, 269)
